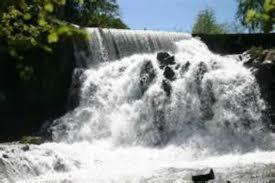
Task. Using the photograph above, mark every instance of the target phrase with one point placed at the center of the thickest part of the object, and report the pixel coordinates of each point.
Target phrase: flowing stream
(138, 121)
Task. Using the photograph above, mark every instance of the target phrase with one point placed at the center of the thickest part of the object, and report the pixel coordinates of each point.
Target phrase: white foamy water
(127, 128)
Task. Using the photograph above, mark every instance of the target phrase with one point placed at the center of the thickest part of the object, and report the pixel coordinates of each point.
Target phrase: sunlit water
(128, 129)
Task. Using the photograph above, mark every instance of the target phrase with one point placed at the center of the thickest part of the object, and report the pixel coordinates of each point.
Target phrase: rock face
(263, 64)
(26, 105)
(165, 59)
(169, 73)
(147, 76)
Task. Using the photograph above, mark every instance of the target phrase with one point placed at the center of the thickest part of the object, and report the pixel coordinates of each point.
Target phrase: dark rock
(185, 67)
(169, 73)
(5, 156)
(26, 148)
(147, 76)
(166, 86)
(202, 69)
(264, 71)
(226, 44)
(162, 55)
(240, 57)
(204, 177)
(165, 59)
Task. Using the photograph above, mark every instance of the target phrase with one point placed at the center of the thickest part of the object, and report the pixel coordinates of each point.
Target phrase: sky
(172, 15)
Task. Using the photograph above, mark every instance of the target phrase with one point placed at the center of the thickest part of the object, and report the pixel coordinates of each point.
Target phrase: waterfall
(141, 120)
(111, 44)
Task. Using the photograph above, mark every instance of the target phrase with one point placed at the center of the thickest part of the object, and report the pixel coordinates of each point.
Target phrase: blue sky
(172, 15)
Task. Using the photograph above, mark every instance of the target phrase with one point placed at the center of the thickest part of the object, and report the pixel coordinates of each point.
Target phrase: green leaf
(49, 7)
(27, 16)
(53, 37)
(42, 22)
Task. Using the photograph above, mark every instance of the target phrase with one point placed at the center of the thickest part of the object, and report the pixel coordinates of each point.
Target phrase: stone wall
(26, 105)
(237, 43)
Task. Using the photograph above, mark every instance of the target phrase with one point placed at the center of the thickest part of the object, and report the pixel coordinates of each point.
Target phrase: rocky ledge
(262, 62)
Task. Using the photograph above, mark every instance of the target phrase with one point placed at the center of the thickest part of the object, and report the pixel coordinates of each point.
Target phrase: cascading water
(141, 121)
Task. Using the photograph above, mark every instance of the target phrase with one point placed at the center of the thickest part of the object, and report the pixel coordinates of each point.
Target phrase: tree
(206, 23)
(257, 15)
(28, 24)
(94, 13)
(33, 23)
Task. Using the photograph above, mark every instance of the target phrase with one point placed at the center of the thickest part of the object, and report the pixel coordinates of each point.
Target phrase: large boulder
(169, 73)
(165, 59)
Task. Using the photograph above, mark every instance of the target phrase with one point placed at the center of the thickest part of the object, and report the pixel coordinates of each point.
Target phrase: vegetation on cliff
(257, 15)
(37, 58)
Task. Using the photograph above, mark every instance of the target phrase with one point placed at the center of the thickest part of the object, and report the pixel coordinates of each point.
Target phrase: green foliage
(257, 15)
(206, 23)
(94, 13)
(27, 24)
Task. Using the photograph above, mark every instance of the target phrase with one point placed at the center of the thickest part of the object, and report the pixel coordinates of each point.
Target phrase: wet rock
(177, 66)
(202, 69)
(169, 73)
(165, 59)
(185, 67)
(262, 62)
(26, 148)
(162, 55)
(5, 156)
(147, 76)
(204, 177)
(166, 86)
